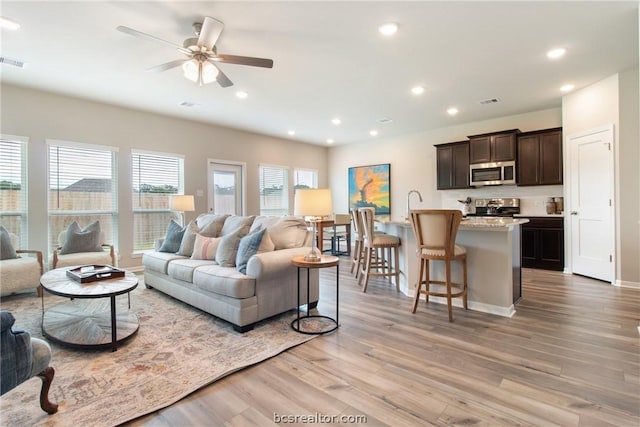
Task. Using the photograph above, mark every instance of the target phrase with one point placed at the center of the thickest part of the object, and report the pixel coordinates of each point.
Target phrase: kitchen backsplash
(532, 199)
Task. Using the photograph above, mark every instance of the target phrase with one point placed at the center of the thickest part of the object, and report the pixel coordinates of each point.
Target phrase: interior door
(226, 188)
(591, 204)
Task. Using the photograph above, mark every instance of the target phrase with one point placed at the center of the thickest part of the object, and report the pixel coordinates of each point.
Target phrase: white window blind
(82, 187)
(155, 177)
(274, 193)
(305, 178)
(13, 186)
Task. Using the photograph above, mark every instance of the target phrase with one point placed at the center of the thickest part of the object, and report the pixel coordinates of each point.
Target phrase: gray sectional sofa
(242, 297)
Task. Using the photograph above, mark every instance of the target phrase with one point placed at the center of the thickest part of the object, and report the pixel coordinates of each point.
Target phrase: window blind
(305, 178)
(13, 187)
(154, 177)
(274, 194)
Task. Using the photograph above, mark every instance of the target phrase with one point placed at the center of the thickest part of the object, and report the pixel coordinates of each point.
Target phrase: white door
(591, 203)
(226, 187)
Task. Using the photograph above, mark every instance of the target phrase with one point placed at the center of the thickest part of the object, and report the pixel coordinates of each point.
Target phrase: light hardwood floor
(569, 357)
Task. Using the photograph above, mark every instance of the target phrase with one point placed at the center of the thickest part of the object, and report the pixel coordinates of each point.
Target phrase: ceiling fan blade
(222, 78)
(167, 66)
(245, 60)
(209, 33)
(146, 36)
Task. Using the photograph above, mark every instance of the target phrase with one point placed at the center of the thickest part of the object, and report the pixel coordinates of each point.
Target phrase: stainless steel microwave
(496, 173)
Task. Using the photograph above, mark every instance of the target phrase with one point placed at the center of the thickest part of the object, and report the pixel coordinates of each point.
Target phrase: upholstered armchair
(20, 269)
(23, 357)
(78, 246)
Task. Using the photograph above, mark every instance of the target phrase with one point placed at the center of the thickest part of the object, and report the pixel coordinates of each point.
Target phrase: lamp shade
(181, 203)
(313, 202)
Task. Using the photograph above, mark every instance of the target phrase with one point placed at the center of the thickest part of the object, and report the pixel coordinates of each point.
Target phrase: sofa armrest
(270, 264)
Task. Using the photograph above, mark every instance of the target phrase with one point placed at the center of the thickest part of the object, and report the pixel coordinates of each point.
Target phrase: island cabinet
(493, 147)
(543, 243)
(452, 164)
(540, 157)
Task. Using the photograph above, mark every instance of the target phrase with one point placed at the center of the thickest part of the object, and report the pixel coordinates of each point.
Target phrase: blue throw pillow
(173, 238)
(248, 247)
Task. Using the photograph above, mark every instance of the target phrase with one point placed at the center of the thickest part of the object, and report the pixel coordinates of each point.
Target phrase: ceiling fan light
(191, 70)
(209, 72)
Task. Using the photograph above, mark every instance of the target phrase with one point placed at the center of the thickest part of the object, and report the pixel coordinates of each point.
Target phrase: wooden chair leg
(47, 377)
(427, 279)
(367, 269)
(448, 279)
(464, 281)
(416, 298)
(396, 269)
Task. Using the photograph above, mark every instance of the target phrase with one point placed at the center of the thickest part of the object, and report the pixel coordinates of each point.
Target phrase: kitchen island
(493, 262)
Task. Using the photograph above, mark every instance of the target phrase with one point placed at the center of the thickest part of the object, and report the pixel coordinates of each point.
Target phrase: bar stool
(374, 244)
(435, 231)
(358, 237)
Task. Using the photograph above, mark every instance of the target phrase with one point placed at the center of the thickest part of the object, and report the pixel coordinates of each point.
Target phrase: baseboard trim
(477, 306)
(627, 284)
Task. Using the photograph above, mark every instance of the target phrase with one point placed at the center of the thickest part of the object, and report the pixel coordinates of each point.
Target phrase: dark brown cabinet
(540, 157)
(493, 147)
(452, 164)
(543, 243)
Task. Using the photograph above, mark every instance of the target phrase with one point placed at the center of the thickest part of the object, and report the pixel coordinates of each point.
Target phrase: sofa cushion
(205, 247)
(210, 225)
(228, 248)
(224, 281)
(188, 239)
(81, 258)
(286, 232)
(182, 269)
(248, 247)
(232, 223)
(173, 238)
(7, 251)
(159, 261)
(82, 239)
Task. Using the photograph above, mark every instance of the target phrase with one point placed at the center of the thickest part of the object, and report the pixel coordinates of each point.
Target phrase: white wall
(413, 164)
(42, 115)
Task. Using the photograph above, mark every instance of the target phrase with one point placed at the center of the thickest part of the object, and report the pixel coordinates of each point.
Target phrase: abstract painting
(370, 186)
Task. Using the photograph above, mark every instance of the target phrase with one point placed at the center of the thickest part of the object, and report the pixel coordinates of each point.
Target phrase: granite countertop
(540, 215)
(484, 222)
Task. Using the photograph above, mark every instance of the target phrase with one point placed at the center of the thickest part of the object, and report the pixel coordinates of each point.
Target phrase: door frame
(567, 200)
(243, 168)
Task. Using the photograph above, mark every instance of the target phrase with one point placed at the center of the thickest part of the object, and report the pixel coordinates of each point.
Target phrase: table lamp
(314, 203)
(181, 203)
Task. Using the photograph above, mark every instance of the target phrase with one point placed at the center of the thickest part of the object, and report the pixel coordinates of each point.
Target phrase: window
(13, 186)
(305, 178)
(154, 176)
(274, 192)
(82, 187)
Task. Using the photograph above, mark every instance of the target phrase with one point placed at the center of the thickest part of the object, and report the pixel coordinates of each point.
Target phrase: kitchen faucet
(409, 199)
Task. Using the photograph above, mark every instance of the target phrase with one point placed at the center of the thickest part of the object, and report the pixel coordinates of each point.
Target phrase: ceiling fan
(202, 58)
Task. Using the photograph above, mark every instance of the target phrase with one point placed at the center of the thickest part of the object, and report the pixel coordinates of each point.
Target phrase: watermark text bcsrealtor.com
(318, 418)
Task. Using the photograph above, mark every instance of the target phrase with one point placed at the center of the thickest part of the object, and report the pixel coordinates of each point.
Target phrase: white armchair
(21, 273)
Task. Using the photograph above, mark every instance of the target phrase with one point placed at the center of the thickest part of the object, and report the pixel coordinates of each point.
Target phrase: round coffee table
(86, 320)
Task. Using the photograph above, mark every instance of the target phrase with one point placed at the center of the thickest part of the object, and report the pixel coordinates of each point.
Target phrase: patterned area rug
(176, 351)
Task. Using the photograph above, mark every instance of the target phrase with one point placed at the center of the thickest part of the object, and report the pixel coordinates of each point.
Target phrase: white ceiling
(329, 59)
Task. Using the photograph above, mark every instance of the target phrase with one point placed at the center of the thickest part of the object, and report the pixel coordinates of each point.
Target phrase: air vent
(190, 104)
(384, 120)
(489, 101)
(14, 62)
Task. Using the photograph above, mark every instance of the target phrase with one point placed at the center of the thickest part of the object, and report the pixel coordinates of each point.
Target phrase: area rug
(177, 350)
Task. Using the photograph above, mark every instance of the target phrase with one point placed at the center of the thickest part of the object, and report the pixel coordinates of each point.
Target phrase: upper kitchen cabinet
(452, 164)
(540, 157)
(493, 147)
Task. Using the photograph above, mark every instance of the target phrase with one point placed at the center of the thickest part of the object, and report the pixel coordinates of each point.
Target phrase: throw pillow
(188, 239)
(173, 238)
(248, 247)
(228, 248)
(82, 239)
(210, 225)
(267, 244)
(234, 222)
(7, 251)
(205, 247)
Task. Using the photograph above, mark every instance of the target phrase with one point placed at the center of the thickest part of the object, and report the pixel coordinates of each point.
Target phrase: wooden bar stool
(435, 231)
(375, 263)
(358, 237)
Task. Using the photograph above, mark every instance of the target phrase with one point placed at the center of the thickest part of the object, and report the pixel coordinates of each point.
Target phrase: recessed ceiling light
(329, 141)
(388, 29)
(373, 132)
(417, 90)
(8, 23)
(291, 132)
(452, 111)
(336, 121)
(556, 53)
(567, 88)
(242, 94)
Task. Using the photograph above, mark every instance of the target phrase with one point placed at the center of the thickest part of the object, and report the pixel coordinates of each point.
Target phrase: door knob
(574, 213)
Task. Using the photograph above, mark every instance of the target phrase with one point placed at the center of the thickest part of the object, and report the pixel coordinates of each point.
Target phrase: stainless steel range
(497, 207)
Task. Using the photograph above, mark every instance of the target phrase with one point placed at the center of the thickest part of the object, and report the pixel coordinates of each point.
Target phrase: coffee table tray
(94, 273)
